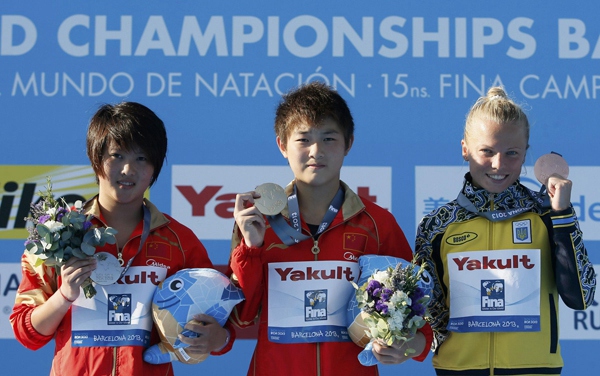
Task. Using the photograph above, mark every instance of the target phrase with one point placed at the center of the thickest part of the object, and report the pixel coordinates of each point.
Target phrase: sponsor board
(203, 197)
(20, 186)
(580, 325)
(574, 324)
(437, 185)
(10, 277)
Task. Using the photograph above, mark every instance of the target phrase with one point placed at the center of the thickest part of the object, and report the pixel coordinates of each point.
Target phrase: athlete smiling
(499, 233)
(126, 145)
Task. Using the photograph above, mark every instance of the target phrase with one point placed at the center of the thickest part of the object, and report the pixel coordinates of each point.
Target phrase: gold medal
(548, 164)
(272, 199)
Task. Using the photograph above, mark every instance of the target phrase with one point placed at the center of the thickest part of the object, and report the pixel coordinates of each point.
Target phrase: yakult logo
(143, 277)
(203, 197)
(312, 274)
(487, 262)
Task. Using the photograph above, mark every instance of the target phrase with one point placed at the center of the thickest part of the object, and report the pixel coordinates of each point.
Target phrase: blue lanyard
(145, 233)
(290, 235)
(499, 215)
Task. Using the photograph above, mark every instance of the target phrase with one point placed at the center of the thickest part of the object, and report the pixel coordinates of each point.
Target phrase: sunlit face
(496, 153)
(127, 176)
(316, 153)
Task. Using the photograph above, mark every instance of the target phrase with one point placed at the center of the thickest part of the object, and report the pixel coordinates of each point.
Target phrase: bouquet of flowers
(58, 232)
(390, 303)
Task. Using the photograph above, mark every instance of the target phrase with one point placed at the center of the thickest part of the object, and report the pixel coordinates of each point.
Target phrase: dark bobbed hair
(129, 125)
(312, 103)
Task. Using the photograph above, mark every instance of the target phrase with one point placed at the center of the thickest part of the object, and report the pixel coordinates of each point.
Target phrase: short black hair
(312, 103)
(128, 125)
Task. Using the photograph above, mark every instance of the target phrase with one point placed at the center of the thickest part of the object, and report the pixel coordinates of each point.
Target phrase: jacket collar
(510, 198)
(352, 203)
(157, 218)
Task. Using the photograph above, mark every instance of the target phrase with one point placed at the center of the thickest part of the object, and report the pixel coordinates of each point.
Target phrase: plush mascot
(369, 265)
(177, 299)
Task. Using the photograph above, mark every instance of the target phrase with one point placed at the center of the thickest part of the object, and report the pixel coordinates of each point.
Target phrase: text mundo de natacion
(391, 85)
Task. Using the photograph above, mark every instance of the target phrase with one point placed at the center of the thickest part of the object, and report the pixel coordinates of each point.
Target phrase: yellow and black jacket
(565, 271)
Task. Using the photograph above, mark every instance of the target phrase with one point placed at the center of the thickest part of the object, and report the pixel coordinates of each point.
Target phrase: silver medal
(272, 199)
(108, 269)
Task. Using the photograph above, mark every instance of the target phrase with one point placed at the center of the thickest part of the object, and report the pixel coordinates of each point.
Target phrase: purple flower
(60, 213)
(377, 292)
(386, 294)
(417, 309)
(373, 284)
(86, 225)
(381, 307)
(417, 294)
(43, 218)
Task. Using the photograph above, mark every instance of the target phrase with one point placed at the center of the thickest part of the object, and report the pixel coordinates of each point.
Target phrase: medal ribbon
(145, 233)
(541, 198)
(290, 235)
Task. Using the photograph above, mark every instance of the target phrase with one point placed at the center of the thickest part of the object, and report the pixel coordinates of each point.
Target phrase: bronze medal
(548, 164)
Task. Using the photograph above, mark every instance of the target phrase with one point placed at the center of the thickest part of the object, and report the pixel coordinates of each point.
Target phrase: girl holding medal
(107, 334)
(294, 251)
(501, 255)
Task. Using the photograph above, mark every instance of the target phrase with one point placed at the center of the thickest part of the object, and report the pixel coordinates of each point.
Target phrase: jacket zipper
(114, 370)
(315, 251)
(492, 334)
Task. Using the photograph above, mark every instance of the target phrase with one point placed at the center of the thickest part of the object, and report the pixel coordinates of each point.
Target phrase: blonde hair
(498, 107)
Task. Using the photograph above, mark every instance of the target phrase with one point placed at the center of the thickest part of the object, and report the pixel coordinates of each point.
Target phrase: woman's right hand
(559, 190)
(74, 272)
(46, 317)
(249, 219)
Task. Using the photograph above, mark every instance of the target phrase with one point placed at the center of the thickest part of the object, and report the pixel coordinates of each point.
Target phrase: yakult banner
(486, 298)
(203, 197)
(214, 73)
(574, 324)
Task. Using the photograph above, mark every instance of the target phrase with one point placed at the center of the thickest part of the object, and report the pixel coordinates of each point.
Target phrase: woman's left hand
(395, 354)
(211, 335)
(559, 190)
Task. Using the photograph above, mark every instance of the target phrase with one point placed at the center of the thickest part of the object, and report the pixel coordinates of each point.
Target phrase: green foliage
(57, 232)
(395, 304)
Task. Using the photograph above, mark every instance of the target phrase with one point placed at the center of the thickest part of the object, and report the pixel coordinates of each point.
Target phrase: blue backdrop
(214, 72)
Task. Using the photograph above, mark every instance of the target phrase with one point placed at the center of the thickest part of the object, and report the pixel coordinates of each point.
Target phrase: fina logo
(492, 295)
(119, 309)
(315, 305)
